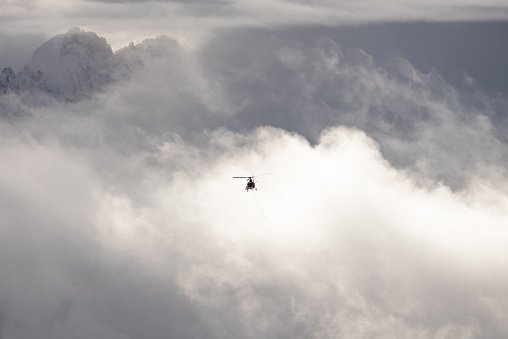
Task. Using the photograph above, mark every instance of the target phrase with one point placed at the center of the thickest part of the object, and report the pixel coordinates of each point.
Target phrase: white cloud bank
(99, 243)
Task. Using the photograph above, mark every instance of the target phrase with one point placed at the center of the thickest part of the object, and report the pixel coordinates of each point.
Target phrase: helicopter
(251, 184)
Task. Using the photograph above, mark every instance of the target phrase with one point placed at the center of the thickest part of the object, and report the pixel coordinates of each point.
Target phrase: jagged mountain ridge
(74, 65)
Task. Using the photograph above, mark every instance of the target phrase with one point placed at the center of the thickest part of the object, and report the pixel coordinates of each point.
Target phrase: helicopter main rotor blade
(260, 175)
(241, 177)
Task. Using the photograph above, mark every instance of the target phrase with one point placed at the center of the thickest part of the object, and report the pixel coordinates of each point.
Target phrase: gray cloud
(418, 118)
(125, 21)
(16, 50)
(255, 78)
(120, 218)
(451, 49)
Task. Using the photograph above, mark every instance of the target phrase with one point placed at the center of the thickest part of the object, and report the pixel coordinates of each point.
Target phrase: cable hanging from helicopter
(251, 186)
(251, 183)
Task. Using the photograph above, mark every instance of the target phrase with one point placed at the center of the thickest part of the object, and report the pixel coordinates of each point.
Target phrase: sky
(382, 125)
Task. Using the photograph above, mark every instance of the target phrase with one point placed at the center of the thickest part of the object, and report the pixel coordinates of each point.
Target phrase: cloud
(100, 241)
(126, 21)
(417, 118)
(120, 217)
(16, 50)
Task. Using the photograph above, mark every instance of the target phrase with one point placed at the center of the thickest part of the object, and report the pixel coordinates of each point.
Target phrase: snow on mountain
(74, 65)
(29, 79)
(8, 81)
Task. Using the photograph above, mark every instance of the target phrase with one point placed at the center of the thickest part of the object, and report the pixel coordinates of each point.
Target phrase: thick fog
(384, 214)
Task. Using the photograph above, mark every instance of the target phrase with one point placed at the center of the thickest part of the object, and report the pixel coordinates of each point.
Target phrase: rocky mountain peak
(76, 64)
